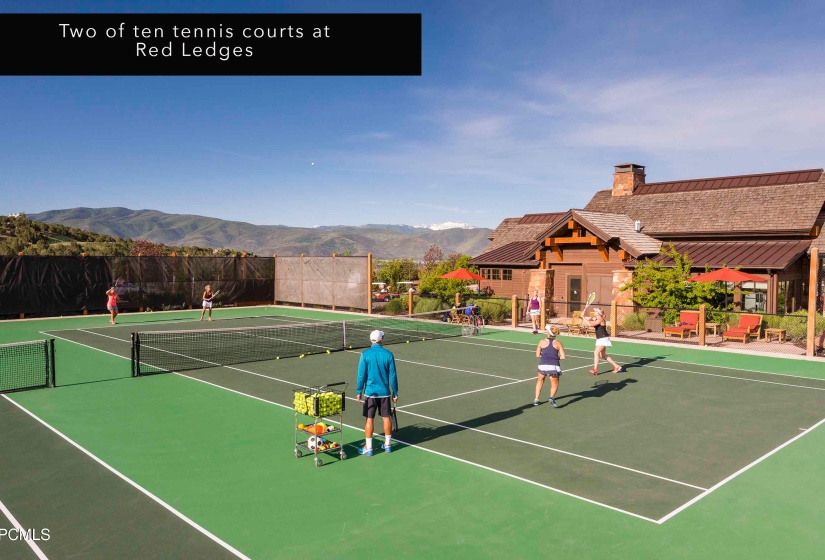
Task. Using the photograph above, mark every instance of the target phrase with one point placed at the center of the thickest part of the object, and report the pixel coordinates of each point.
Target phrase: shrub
(425, 305)
(494, 310)
(634, 322)
(796, 324)
(397, 306)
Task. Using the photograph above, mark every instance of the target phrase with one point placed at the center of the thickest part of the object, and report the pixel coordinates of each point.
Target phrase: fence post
(410, 305)
(369, 283)
(701, 326)
(613, 317)
(457, 299)
(542, 307)
(514, 319)
(275, 279)
(813, 286)
(333, 280)
(302, 280)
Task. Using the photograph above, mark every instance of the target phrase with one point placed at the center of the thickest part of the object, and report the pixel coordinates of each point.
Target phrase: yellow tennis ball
(350, 347)
(278, 358)
(301, 356)
(408, 342)
(327, 351)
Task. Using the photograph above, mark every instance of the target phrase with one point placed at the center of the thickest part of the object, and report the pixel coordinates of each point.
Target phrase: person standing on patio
(602, 341)
(535, 311)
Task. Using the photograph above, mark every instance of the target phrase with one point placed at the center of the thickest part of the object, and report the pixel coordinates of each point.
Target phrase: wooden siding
(507, 288)
(583, 254)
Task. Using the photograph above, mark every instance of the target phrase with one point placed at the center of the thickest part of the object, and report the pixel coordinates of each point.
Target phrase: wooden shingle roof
(517, 252)
(787, 209)
(526, 228)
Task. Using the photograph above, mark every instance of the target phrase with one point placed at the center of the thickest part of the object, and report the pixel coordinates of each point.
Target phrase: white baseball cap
(376, 336)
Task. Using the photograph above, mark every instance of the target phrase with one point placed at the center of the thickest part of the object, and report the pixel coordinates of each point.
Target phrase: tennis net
(165, 351)
(26, 365)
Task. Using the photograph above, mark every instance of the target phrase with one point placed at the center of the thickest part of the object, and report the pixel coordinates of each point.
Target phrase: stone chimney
(626, 177)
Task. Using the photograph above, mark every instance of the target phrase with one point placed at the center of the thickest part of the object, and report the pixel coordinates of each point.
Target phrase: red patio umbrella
(726, 275)
(462, 274)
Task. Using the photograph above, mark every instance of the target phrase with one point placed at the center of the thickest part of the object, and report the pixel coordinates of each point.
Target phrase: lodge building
(763, 224)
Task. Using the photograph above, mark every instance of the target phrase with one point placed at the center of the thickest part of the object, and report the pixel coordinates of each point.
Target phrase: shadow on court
(642, 362)
(600, 389)
(420, 433)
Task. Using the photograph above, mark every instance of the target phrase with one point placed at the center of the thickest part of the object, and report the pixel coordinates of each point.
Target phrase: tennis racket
(119, 282)
(394, 419)
(591, 297)
(215, 293)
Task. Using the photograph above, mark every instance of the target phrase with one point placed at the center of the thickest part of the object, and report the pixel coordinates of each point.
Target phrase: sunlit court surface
(200, 462)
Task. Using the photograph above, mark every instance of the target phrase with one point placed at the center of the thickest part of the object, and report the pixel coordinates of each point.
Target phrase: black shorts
(373, 404)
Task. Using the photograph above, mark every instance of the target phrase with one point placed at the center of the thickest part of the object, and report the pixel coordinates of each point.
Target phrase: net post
(52, 381)
(135, 358)
(514, 316)
(457, 299)
(344, 336)
(410, 302)
(613, 318)
(701, 325)
(813, 285)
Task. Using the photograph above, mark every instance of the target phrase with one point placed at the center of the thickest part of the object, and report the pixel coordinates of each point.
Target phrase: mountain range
(384, 241)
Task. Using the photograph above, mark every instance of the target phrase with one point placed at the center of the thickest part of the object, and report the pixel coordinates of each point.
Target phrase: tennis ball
(278, 358)
(301, 356)
(408, 342)
(327, 351)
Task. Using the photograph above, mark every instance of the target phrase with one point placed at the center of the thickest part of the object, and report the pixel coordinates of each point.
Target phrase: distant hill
(383, 241)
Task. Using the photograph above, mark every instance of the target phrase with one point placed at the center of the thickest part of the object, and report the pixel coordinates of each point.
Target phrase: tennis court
(199, 463)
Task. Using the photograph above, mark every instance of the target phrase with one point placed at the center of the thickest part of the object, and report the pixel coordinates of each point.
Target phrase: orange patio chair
(750, 326)
(688, 324)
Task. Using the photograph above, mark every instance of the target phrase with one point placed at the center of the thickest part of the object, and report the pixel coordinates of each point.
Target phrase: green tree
(655, 285)
(395, 270)
(429, 281)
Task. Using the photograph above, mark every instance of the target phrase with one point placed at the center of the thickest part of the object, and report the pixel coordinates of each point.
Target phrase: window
(755, 298)
(496, 274)
(485, 273)
(507, 274)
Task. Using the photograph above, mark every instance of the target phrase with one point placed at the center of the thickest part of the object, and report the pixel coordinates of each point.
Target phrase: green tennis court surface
(684, 454)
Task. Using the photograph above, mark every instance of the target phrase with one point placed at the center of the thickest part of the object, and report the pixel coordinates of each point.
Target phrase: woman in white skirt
(207, 301)
(602, 341)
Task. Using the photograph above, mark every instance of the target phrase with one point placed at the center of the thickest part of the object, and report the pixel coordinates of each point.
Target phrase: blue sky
(523, 106)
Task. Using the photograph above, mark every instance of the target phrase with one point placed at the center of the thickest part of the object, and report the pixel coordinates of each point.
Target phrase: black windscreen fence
(65, 285)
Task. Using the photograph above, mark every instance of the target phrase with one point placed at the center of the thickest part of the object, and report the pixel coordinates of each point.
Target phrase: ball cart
(317, 411)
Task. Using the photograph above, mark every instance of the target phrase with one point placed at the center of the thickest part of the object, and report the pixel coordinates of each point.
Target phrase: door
(574, 294)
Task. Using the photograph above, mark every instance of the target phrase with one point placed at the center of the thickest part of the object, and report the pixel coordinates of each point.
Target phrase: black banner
(211, 45)
(64, 285)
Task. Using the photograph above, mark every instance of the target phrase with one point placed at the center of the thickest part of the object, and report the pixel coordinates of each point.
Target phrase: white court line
(533, 378)
(132, 483)
(485, 467)
(737, 473)
(665, 368)
(466, 393)
(32, 544)
(660, 521)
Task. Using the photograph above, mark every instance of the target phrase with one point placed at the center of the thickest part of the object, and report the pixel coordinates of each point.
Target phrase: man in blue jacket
(377, 383)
